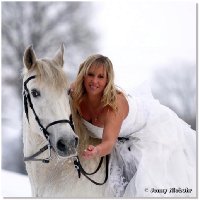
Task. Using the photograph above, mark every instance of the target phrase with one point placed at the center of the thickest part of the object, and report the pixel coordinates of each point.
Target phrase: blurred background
(147, 41)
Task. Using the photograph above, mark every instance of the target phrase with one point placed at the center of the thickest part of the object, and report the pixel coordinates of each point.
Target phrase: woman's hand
(91, 152)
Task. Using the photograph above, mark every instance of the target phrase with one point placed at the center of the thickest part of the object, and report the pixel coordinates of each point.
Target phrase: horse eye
(35, 93)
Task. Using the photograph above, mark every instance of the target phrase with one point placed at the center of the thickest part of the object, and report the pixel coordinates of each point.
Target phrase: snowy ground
(14, 185)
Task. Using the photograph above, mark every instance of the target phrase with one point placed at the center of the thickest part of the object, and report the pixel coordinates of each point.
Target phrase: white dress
(158, 158)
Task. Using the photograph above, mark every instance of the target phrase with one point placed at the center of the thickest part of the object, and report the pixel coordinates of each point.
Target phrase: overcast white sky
(139, 36)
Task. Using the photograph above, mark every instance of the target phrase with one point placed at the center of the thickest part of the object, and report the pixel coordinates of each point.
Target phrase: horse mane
(50, 72)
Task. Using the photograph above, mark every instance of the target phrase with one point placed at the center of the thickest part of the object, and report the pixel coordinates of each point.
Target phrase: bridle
(27, 101)
(81, 170)
(77, 164)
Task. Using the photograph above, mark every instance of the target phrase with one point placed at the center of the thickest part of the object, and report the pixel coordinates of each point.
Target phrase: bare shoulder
(121, 100)
(122, 104)
(122, 107)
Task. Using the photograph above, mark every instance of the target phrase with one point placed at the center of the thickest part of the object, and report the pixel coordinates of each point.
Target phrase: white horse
(50, 144)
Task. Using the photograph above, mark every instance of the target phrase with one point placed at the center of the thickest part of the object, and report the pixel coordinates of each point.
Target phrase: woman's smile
(93, 87)
(96, 79)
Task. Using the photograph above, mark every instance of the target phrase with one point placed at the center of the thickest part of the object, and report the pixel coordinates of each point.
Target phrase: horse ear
(29, 58)
(59, 56)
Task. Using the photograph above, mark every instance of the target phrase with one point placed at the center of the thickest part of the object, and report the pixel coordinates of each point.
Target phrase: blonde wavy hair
(110, 91)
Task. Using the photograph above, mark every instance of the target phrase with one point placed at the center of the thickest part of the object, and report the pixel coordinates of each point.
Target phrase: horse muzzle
(66, 147)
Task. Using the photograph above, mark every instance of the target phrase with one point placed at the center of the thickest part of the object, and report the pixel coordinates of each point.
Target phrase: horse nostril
(61, 145)
(67, 146)
(76, 141)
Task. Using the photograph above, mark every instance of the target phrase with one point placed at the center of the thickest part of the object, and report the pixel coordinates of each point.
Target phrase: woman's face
(95, 81)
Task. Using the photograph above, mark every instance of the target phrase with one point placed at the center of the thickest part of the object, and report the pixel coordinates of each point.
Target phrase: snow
(14, 185)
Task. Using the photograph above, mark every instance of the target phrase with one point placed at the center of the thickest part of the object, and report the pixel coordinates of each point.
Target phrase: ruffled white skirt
(157, 161)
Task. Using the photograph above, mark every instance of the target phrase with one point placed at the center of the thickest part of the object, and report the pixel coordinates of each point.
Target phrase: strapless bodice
(134, 121)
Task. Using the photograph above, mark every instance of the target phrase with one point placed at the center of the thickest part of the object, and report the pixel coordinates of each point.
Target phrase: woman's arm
(112, 126)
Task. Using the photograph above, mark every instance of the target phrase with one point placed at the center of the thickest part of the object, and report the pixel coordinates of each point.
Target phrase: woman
(152, 150)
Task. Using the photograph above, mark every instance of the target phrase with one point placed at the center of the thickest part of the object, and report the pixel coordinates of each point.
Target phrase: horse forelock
(50, 73)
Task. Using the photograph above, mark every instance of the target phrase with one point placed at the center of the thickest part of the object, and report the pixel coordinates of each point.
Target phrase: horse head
(46, 103)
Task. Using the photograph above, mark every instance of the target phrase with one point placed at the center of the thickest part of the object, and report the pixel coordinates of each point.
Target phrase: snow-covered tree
(46, 25)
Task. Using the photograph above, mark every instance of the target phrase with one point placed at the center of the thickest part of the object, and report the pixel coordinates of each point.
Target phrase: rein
(80, 170)
(46, 160)
(77, 164)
